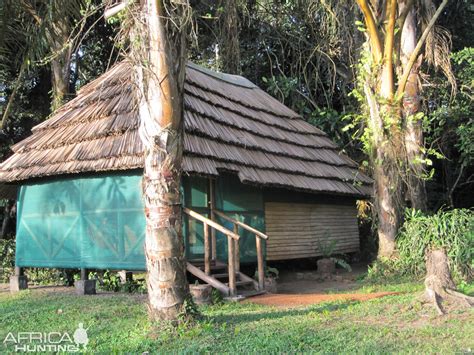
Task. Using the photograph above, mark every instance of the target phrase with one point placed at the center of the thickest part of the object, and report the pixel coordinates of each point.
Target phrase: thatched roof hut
(246, 155)
(230, 125)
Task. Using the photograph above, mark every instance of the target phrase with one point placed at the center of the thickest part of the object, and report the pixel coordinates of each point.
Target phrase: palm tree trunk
(411, 105)
(229, 37)
(161, 131)
(388, 201)
(60, 68)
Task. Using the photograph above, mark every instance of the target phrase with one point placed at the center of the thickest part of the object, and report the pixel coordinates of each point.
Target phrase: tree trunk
(161, 131)
(439, 285)
(387, 213)
(60, 80)
(386, 177)
(229, 33)
(410, 106)
(58, 38)
(438, 275)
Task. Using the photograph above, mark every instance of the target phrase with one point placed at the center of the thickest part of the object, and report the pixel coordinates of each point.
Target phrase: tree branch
(391, 12)
(403, 15)
(375, 43)
(16, 86)
(406, 72)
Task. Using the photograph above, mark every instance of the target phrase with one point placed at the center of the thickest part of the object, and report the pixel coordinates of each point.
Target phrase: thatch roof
(230, 125)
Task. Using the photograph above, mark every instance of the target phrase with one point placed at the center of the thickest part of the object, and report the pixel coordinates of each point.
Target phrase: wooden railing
(232, 240)
(259, 236)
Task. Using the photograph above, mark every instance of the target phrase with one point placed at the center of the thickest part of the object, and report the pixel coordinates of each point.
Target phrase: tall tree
(159, 57)
(391, 98)
(229, 36)
(41, 33)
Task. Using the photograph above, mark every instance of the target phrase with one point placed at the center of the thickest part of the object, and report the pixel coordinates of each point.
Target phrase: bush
(7, 259)
(452, 230)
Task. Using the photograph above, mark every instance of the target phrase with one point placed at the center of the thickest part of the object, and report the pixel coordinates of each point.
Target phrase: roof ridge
(232, 79)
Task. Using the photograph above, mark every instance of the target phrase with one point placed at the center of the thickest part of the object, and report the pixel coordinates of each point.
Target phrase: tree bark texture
(416, 191)
(160, 84)
(439, 285)
(229, 33)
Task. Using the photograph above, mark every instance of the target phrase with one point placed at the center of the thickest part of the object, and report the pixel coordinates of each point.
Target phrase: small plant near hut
(271, 277)
(327, 265)
(111, 281)
(7, 259)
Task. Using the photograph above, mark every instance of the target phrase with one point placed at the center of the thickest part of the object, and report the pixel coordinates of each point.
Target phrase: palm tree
(43, 32)
(159, 56)
(389, 82)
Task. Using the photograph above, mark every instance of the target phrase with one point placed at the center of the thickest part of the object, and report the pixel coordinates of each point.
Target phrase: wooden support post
(84, 286)
(237, 249)
(231, 257)
(19, 271)
(18, 281)
(125, 276)
(212, 206)
(207, 250)
(261, 271)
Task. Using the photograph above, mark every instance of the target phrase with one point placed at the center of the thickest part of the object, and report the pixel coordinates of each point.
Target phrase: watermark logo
(45, 342)
(80, 336)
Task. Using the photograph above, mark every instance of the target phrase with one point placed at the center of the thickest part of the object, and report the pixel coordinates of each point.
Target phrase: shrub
(7, 259)
(452, 230)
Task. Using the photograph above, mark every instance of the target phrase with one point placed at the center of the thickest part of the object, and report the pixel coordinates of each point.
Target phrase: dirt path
(292, 300)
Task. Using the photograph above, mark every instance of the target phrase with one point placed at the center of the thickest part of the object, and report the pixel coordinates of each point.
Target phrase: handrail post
(207, 250)
(231, 266)
(237, 249)
(261, 271)
(212, 205)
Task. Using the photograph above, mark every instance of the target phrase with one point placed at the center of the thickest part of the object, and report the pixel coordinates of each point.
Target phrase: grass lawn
(118, 323)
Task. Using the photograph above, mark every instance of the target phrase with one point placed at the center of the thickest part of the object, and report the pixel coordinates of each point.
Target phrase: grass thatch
(230, 124)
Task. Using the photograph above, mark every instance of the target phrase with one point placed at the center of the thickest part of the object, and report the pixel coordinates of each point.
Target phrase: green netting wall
(91, 222)
(98, 221)
(242, 202)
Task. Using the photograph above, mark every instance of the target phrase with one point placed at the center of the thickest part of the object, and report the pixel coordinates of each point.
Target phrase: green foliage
(111, 281)
(449, 128)
(326, 247)
(342, 263)
(7, 259)
(272, 272)
(189, 313)
(216, 296)
(46, 276)
(326, 244)
(269, 272)
(452, 230)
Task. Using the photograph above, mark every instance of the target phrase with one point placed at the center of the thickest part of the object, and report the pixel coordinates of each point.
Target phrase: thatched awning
(230, 124)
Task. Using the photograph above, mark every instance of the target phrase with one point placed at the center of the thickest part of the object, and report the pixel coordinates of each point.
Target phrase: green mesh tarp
(98, 222)
(241, 202)
(88, 222)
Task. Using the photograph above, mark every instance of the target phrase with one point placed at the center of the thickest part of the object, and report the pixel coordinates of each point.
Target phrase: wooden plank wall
(295, 228)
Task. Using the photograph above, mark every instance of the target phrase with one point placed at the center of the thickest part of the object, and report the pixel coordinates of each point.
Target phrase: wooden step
(244, 277)
(241, 283)
(215, 265)
(220, 276)
(208, 279)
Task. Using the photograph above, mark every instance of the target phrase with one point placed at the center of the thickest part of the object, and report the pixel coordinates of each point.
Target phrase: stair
(219, 279)
(217, 275)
